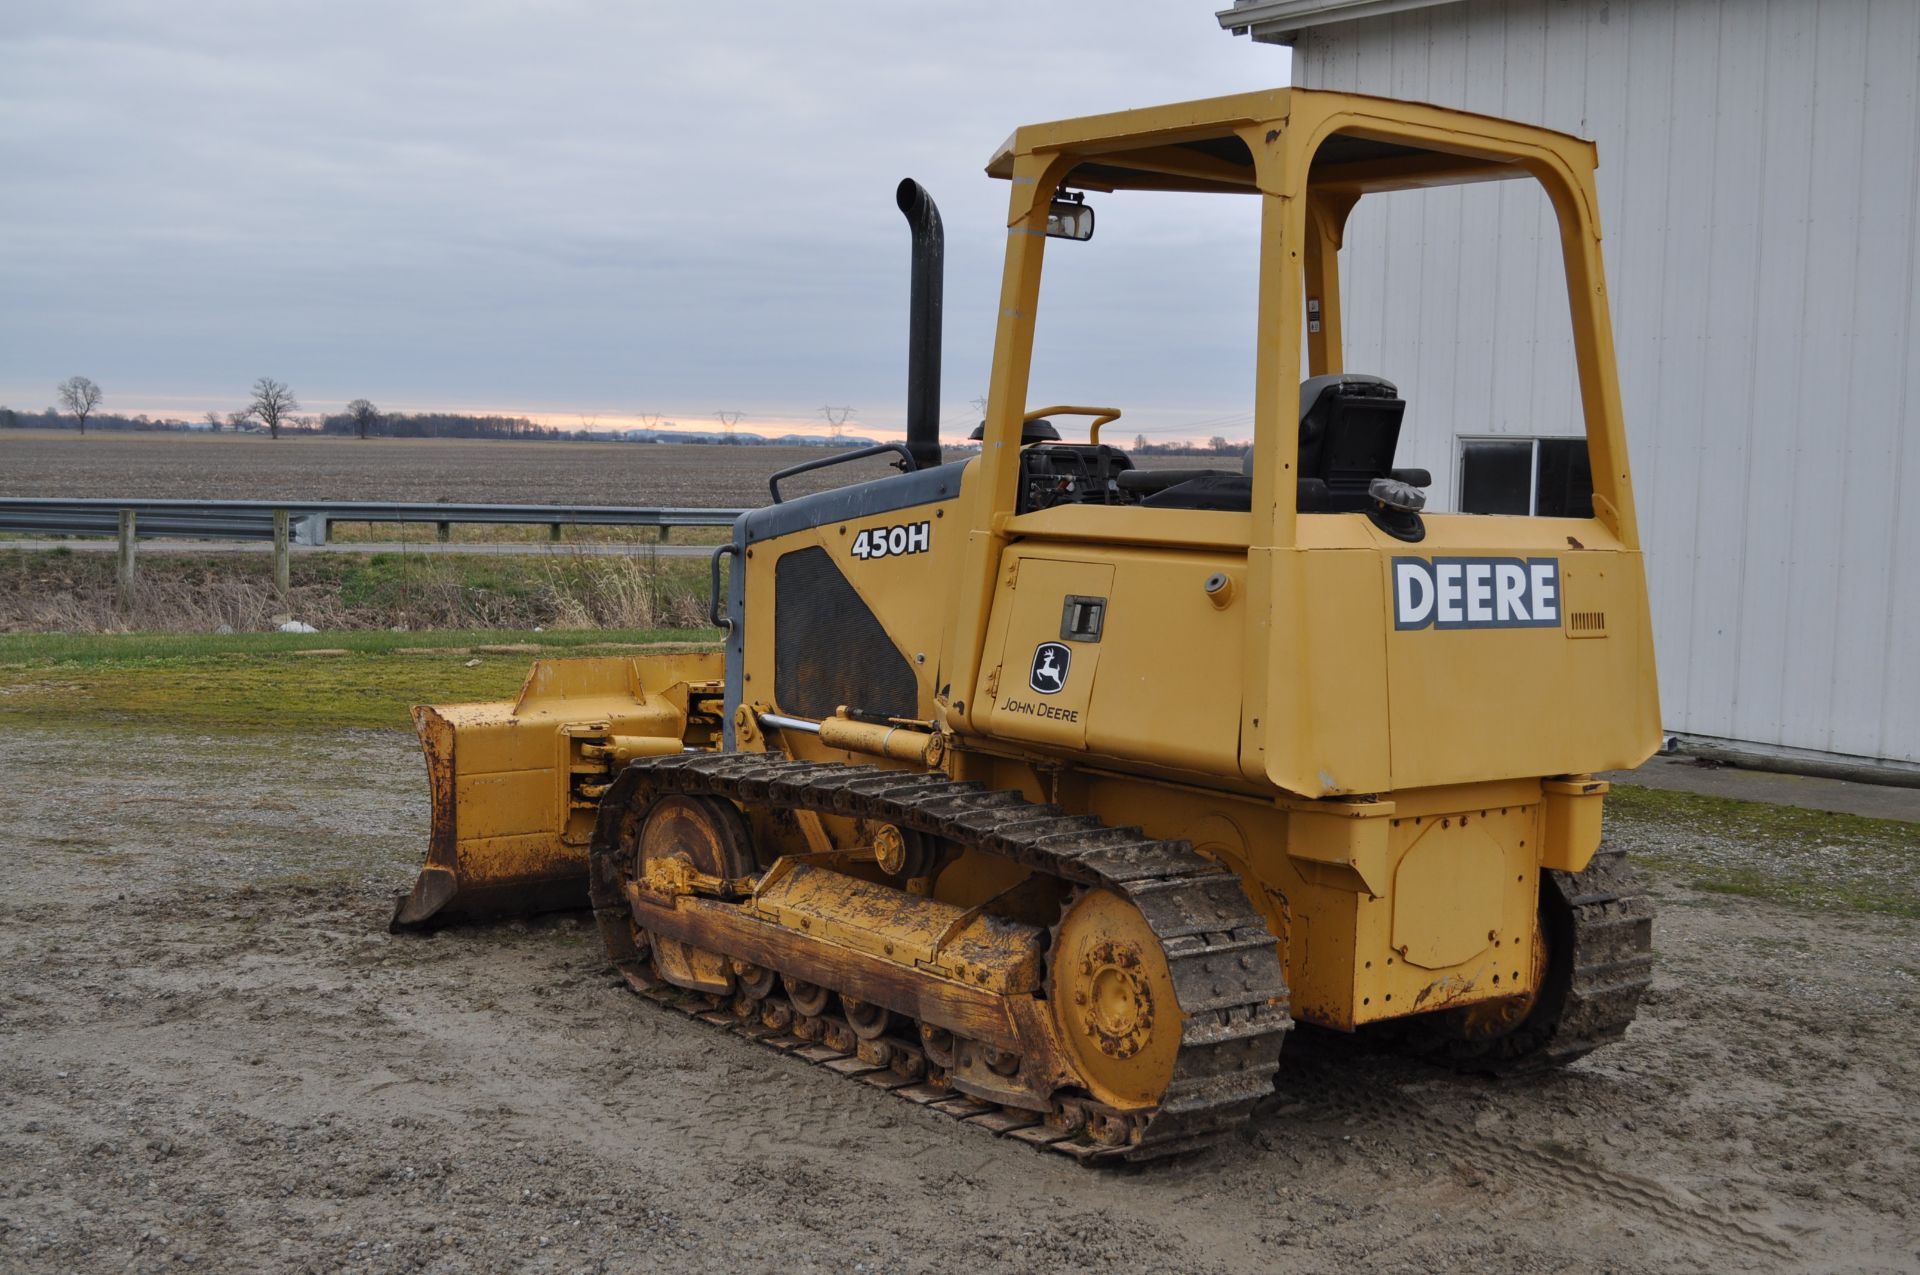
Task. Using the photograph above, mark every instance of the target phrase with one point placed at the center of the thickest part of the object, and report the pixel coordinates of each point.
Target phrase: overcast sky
(592, 210)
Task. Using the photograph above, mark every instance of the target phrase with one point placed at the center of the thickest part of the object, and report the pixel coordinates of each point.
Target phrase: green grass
(259, 681)
(1784, 854)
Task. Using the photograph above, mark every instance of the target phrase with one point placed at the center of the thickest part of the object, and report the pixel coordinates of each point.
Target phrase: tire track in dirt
(1321, 1096)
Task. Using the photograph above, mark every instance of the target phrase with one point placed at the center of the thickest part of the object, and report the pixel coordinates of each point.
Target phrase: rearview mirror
(1070, 219)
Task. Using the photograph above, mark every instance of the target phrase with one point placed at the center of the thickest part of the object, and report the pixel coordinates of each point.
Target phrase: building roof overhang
(1281, 21)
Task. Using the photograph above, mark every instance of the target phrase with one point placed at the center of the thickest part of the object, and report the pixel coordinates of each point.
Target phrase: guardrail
(306, 522)
(309, 520)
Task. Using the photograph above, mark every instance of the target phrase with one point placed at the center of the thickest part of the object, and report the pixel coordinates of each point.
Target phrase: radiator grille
(829, 649)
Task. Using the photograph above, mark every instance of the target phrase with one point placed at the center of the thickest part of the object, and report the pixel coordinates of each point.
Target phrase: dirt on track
(212, 1056)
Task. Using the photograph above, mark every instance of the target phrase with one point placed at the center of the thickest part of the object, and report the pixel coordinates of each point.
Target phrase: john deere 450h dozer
(1049, 791)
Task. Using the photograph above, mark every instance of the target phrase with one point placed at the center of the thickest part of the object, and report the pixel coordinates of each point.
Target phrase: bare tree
(236, 420)
(364, 416)
(214, 420)
(272, 402)
(1140, 442)
(79, 396)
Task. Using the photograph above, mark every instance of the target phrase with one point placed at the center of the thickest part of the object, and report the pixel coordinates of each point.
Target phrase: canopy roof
(1201, 146)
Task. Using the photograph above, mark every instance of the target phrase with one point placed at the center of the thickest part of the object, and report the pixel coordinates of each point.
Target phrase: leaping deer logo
(1051, 661)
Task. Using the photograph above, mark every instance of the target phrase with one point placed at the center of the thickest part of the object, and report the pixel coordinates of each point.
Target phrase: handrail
(906, 465)
(720, 619)
(1105, 415)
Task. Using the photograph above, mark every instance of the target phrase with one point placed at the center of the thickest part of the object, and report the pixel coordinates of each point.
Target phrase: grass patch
(260, 681)
(1781, 853)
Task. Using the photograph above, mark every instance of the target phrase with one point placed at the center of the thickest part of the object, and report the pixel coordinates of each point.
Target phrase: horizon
(952, 434)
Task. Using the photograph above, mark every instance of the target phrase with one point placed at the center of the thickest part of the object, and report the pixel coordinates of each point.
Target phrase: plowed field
(251, 467)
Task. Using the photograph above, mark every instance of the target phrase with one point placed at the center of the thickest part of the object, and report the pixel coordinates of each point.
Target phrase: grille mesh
(829, 649)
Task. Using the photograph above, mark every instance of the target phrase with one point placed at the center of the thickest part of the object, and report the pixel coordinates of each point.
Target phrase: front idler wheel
(652, 844)
(1112, 998)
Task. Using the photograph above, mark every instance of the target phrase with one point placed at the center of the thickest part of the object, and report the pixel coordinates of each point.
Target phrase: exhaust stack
(923, 332)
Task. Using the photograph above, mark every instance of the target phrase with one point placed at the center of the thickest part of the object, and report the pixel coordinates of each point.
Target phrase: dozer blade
(516, 784)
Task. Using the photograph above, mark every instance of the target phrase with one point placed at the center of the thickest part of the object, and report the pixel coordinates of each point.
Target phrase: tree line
(1218, 445)
(274, 410)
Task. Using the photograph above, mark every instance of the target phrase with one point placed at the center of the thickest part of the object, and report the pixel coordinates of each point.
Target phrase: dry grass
(180, 593)
(599, 591)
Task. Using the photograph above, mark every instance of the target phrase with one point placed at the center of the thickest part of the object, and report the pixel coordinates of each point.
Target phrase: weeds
(212, 593)
(622, 592)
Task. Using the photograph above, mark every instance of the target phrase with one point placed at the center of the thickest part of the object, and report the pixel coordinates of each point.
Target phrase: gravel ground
(212, 1056)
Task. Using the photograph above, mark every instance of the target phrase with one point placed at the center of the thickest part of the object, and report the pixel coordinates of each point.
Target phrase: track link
(1611, 918)
(1225, 963)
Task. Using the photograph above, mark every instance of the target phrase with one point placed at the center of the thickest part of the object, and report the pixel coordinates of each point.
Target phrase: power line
(836, 419)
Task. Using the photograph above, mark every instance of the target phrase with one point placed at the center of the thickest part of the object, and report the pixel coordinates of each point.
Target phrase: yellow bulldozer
(1048, 791)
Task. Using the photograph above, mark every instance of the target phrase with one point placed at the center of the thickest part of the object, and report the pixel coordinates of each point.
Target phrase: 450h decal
(891, 542)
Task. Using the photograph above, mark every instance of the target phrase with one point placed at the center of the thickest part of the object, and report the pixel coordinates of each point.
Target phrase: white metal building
(1760, 188)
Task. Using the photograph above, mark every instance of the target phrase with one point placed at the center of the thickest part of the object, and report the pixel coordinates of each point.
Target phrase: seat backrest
(1349, 427)
(1034, 431)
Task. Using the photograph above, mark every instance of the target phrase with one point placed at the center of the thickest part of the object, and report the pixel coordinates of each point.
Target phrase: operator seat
(1033, 431)
(1349, 427)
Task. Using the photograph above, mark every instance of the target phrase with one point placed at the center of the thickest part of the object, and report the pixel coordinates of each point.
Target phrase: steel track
(1224, 961)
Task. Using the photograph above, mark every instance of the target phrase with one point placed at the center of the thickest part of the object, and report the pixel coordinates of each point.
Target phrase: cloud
(587, 207)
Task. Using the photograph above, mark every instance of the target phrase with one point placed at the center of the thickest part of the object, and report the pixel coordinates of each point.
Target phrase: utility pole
(836, 419)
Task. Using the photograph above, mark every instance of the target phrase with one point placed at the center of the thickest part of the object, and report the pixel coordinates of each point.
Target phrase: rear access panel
(1050, 617)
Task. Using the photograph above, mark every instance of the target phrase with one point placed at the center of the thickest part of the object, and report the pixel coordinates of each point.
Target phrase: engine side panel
(864, 627)
(857, 551)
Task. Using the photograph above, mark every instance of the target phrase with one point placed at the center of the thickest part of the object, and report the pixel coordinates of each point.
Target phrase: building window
(1549, 477)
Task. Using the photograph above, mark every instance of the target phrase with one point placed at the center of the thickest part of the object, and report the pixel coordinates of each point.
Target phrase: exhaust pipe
(923, 332)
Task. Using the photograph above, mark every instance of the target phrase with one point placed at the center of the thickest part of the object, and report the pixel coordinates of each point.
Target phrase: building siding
(1759, 190)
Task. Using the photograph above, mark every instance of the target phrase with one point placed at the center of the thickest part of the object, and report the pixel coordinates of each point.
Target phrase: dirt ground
(212, 1056)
